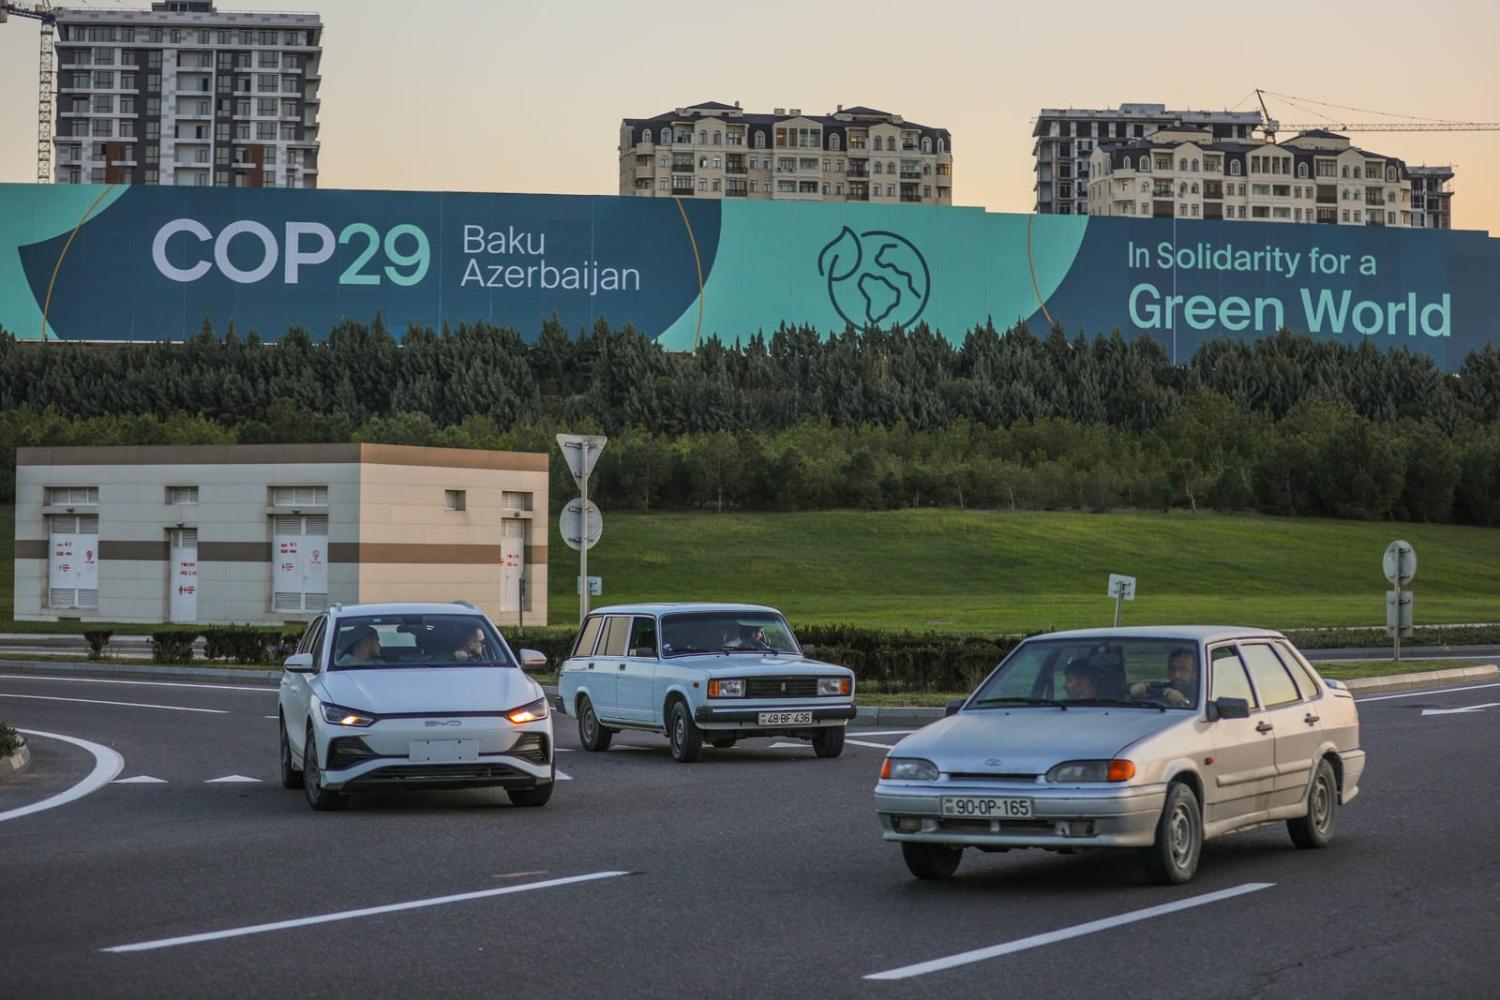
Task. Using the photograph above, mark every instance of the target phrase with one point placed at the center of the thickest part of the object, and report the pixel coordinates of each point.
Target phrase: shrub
(173, 645)
(10, 740)
(97, 640)
(240, 643)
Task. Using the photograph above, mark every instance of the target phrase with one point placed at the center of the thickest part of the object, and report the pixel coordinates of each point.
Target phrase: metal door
(182, 583)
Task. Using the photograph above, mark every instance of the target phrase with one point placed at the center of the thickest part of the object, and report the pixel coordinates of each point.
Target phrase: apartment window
(1345, 215)
(455, 499)
(663, 184)
(1260, 212)
(291, 38)
(941, 145)
(1234, 168)
(265, 130)
(1281, 212)
(288, 133)
(269, 60)
(760, 140)
(718, 138)
(182, 494)
(833, 141)
(703, 184)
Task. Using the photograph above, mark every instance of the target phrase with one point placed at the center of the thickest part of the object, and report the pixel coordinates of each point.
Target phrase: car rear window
(1310, 687)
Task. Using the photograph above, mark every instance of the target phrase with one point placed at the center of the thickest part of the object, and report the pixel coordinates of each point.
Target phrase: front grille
(417, 774)
(990, 776)
(1006, 826)
(531, 747)
(346, 751)
(781, 687)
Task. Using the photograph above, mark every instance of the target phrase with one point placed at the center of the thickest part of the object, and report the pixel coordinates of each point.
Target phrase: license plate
(444, 751)
(985, 807)
(784, 719)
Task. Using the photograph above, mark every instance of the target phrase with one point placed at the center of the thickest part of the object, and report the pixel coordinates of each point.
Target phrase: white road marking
(1052, 937)
(1419, 694)
(862, 743)
(140, 779)
(627, 746)
(1460, 711)
(107, 764)
(564, 777)
(882, 732)
(160, 684)
(368, 911)
(271, 717)
(558, 749)
(232, 779)
(124, 704)
(789, 746)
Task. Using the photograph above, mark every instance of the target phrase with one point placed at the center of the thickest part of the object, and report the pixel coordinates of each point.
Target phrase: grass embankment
(994, 572)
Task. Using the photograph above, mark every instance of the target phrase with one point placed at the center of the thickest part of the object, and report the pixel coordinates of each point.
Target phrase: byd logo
(179, 254)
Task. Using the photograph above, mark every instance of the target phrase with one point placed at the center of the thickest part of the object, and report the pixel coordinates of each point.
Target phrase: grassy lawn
(1007, 572)
(996, 572)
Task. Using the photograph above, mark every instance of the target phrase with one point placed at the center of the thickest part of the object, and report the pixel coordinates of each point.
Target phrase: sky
(494, 95)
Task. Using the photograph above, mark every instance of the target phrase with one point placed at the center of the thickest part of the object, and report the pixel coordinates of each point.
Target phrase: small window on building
(299, 496)
(182, 494)
(456, 499)
(73, 496)
(510, 500)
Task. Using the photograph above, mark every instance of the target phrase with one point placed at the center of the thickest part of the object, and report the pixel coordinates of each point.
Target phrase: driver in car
(753, 637)
(363, 647)
(1181, 688)
(471, 646)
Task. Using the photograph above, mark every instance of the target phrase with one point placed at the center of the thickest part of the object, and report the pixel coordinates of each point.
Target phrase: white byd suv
(382, 696)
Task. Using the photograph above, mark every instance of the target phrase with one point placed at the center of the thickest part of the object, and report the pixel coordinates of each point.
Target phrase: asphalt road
(758, 872)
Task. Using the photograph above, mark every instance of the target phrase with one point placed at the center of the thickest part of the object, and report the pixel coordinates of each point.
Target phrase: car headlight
(909, 769)
(341, 716)
(530, 712)
(1072, 771)
(728, 688)
(828, 686)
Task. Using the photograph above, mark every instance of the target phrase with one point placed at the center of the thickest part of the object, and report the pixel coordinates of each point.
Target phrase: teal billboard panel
(151, 263)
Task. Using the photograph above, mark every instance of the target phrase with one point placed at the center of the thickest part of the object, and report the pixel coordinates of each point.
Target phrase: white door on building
(299, 571)
(512, 564)
(73, 565)
(183, 582)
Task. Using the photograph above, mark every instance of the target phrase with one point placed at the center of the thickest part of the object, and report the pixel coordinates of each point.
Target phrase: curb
(1432, 678)
(253, 678)
(16, 762)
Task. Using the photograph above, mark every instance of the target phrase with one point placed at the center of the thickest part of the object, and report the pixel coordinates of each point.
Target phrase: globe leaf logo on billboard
(875, 278)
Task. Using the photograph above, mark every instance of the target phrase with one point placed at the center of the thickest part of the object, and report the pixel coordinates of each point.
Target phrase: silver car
(1150, 738)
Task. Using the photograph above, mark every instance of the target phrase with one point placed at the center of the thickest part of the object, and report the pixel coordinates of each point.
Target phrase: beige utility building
(1187, 174)
(275, 533)
(717, 150)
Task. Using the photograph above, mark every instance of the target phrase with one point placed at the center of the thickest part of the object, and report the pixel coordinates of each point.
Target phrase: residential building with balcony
(187, 94)
(1066, 138)
(717, 150)
(1316, 176)
(1431, 197)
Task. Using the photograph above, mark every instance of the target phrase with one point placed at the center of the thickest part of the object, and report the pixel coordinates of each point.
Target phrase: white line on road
(368, 911)
(125, 704)
(882, 732)
(863, 743)
(1418, 694)
(159, 684)
(107, 764)
(564, 777)
(1052, 937)
(1461, 711)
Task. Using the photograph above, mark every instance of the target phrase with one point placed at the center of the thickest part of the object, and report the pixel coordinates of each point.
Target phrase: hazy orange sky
(490, 95)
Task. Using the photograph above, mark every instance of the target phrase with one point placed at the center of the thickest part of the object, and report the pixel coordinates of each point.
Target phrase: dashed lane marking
(1420, 694)
(122, 704)
(161, 684)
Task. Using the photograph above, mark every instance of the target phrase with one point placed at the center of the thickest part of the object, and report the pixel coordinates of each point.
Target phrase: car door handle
(622, 666)
(591, 666)
(1310, 719)
(1264, 727)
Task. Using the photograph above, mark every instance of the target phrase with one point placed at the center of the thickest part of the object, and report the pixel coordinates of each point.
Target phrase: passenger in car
(1079, 679)
(363, 647)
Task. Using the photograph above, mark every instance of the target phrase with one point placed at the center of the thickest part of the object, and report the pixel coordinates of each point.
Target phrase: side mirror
(532, 659)
(644, 652)
(299, 663)
(953, 706)
(1228, 708)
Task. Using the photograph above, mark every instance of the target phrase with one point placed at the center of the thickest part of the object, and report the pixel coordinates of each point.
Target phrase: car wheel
(931, 860)
(1173, 859)
(687, 738)
(829, 742)
(534, 796)
(318, 797)
(290, 776)
(1316, 828)
(724, 742)
(591, 732)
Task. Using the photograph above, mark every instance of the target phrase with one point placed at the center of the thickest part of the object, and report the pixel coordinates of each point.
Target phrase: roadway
(757, 872)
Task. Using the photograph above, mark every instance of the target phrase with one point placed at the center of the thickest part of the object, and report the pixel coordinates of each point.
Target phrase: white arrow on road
(140, 779)
(1459, 711)
(232, 779)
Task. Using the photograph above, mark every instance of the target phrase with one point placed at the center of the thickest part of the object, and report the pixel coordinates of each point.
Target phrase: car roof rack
(467, 604)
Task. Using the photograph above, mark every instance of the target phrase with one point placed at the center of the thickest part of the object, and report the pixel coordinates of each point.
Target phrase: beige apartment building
(275, 533)
(716, 150)
(1186, 174)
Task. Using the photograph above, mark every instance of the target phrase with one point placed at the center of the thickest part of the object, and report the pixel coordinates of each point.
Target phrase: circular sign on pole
(1400, 562)
(578, 522)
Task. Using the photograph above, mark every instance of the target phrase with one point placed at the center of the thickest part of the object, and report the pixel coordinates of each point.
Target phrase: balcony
(735, 168)
(735, 193)
(912, 198)
(682, 168)
(911, 175)
(857, 196)
(856, 172)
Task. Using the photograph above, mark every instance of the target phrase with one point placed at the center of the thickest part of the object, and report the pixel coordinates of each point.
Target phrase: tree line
(1290, 424)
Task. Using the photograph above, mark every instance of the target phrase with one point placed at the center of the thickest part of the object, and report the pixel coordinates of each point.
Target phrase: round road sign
(1400, 562)
(574, 523)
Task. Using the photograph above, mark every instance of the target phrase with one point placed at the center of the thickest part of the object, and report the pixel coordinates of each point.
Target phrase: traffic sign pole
(583, 550)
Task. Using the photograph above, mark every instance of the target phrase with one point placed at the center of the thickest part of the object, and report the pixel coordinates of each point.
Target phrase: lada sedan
(714, 673)
(1149, 738)
(382, 696)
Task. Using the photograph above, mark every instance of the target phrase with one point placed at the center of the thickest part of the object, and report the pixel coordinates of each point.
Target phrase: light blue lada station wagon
(714, 673)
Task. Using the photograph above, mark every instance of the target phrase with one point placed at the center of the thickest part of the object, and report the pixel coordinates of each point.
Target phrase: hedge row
(239, 643)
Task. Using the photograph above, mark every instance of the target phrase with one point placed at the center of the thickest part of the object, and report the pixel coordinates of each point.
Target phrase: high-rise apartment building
(715, 150)
(187, 94)
(1316, 176)
(1065, 138)
(1431, 197)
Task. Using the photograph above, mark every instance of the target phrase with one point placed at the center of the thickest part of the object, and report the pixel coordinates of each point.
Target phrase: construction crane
(1271, 126)
(46, 79)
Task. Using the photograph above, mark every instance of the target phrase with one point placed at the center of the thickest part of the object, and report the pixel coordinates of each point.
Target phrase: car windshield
(1115, 672)
(373, 641)
(726, 632)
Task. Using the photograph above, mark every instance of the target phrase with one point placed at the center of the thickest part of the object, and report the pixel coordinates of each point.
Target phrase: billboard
(147, 263)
